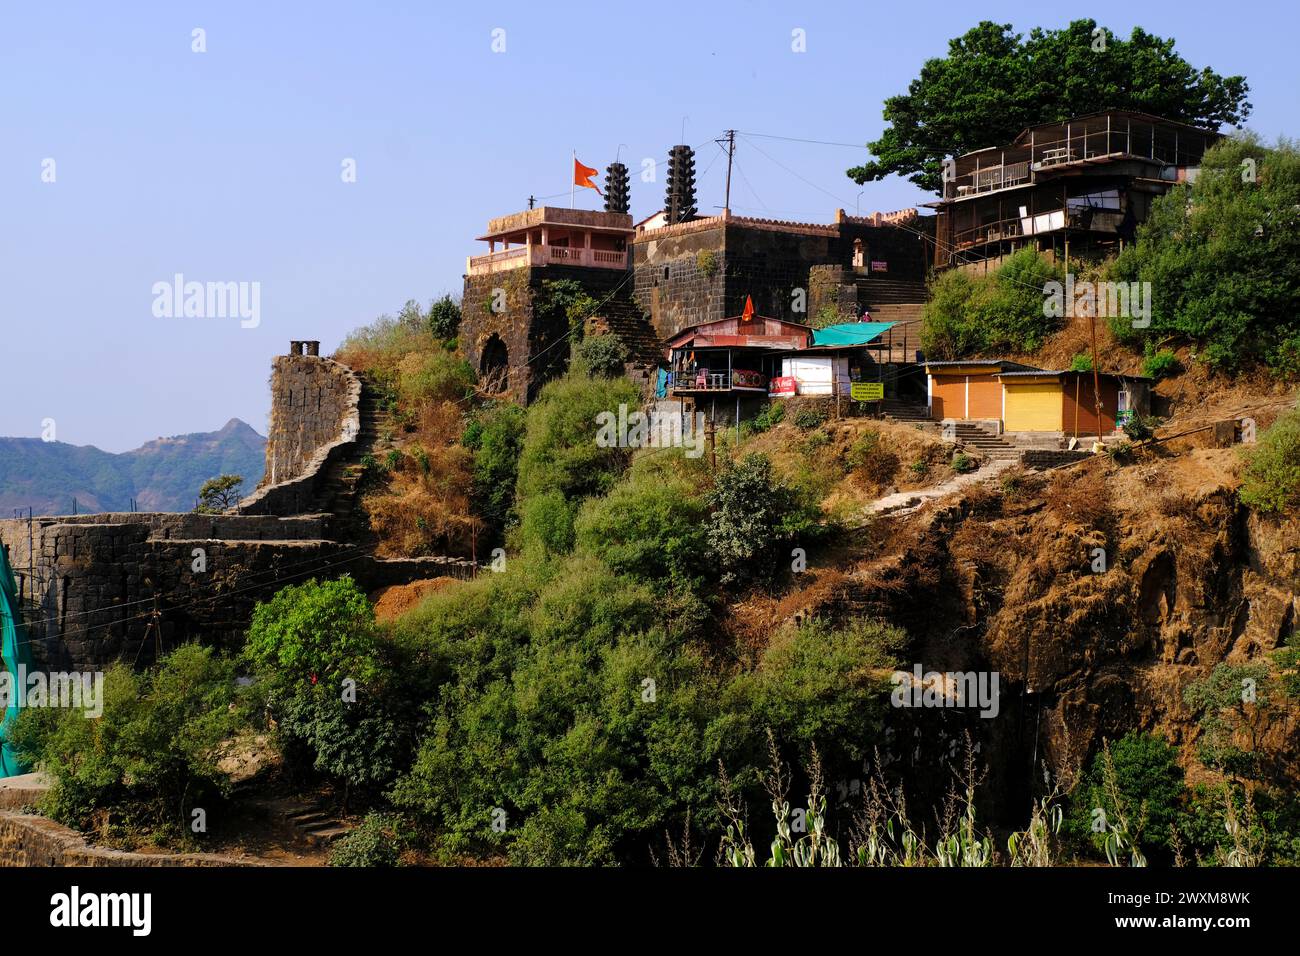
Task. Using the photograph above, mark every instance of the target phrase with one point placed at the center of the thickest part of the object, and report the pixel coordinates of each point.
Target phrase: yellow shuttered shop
(1033, 406)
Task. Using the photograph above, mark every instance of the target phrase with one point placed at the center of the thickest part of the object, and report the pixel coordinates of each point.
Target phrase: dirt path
(905, 502)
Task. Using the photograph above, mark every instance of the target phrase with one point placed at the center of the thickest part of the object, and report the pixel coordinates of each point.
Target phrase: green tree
(219, 494)
(753, 519)
(561, 462)
(444, 318)
(151, 758)
(990, 314)
(650, 526)
(602, 355)
(495, 434)
(1142, 786)
(317, 631)
(1223, 260)
(993, 83)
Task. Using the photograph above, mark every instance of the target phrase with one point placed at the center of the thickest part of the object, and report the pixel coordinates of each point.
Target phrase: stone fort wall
(531, 333)
(703, 270)
(91, 585)
(315, 422)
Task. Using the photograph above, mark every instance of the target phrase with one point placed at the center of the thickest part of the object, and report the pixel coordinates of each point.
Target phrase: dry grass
(425, 506)
(1081, 496)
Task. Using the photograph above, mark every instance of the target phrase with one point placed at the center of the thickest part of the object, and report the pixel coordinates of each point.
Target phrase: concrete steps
(985, 442)
(899, 411)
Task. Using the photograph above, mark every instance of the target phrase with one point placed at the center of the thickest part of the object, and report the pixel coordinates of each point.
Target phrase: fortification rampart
(315, 424)
(104, 587)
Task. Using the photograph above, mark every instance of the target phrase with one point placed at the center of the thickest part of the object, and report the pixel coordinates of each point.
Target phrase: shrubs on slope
(1272, 477)
(989, 314)
(137, 772)
(1223, 259)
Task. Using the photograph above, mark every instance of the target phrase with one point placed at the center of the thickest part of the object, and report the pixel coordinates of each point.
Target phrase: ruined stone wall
(29, 840)
(88, 589)
(831, 288)
(311, 400)
(315, 421)
(770, 264)
(904, 249)
(88, 586)
(679, 276)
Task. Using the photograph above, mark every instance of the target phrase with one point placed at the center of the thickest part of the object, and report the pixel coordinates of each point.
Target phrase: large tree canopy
(994, 83)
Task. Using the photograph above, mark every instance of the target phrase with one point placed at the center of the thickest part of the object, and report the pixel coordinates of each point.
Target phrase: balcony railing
(995, 177)
(720, 380)
(539, 255)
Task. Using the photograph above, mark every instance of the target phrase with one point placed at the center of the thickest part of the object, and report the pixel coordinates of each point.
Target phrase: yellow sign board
(867, 391)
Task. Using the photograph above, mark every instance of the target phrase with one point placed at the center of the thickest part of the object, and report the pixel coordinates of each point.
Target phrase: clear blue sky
(225, 166)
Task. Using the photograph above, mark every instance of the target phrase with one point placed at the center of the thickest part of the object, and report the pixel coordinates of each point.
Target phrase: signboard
(867, 391)
(783, 385)
(879, 266)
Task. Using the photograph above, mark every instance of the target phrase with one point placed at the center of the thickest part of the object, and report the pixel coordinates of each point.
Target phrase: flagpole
(573, 177)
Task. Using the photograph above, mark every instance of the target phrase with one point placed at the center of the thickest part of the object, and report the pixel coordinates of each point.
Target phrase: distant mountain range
(161, 475)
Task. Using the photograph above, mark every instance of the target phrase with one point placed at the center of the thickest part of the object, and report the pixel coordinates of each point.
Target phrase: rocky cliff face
(1097, 593)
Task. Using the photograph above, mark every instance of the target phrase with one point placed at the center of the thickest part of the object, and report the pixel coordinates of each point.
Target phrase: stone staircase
(623, 318)
(876, 292)
(989, 445)
(899, 411)
(339, 494)
(900, 301)
(315, 823)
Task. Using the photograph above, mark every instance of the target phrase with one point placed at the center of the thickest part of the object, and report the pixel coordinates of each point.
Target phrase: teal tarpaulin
(15, 650)
(850, 333)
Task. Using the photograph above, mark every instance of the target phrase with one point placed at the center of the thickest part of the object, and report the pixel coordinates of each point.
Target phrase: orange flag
(748, 314)
(582, 176)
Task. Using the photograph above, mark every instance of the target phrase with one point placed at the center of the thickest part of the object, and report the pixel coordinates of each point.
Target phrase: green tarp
(850, 333)
(15, 650)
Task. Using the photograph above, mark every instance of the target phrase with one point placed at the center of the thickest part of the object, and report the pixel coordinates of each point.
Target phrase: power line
(748, 185)
(796, 139)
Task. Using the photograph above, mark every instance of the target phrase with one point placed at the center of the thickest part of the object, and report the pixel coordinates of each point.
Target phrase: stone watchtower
(512, 325)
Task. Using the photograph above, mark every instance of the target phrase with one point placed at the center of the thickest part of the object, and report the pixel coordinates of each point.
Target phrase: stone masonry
(91, 585)
(703, 270)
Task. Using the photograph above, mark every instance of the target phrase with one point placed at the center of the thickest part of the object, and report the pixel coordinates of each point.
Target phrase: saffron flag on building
(748, 314)
(582, 176)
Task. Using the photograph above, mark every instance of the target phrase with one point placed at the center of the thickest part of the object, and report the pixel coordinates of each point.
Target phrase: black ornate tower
(616, 188)
(679, 204)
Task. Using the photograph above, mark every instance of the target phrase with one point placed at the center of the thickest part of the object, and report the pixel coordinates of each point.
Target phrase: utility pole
(731, 152)
(1096, 375)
